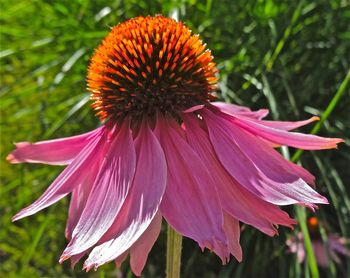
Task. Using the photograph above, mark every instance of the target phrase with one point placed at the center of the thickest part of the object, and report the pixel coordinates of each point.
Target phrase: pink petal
(236, 110)
(55, 152)
(234, 198)
(119, 260)
(76, 258)
(338, 244)
(79, 198)
(232, 230)
(257, 166)
(283, 137)
(75, 210)
(322, 258)
(190, 203)
(140, 250)
(288, 125)
(256, 116)
(108, 193)
(296, 245)
(300, 252)
(141, 205)
(73, 175)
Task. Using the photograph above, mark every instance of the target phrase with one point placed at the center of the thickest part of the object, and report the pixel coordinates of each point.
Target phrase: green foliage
(286, 55)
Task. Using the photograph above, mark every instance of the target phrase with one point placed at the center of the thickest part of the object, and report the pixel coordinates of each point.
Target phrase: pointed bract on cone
(166, 151)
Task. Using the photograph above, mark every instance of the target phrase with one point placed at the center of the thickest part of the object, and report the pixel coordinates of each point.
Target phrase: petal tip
(324, 201)
(17, 217)
(12, 159)
(64, 257)
(88, 266)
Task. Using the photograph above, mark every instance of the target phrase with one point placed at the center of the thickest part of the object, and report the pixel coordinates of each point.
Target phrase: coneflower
(165, 150)
(325, 250)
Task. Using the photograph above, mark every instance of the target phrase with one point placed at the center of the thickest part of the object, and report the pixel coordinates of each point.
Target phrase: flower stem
(173, 260)
(301, 215)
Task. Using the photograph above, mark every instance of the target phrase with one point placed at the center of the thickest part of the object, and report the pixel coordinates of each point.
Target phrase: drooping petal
(338, 244)
(284, 125)
(55, 152)
(80, 196)
(283, 137)
(303, 173)
(236, 110)
(140, 250)
(190, 204)
(232, 230)
(73, 175)
(119, 260)
(141, 205)
(234, 198)
(257, 166)
(76, 258)
(108, 193)
(321, 253)
(242, 111)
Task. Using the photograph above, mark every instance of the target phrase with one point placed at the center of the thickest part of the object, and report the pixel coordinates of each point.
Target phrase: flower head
(147, 65)
(166, 151)
(325, 251)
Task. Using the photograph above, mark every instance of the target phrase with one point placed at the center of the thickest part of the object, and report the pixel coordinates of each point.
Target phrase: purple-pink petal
(79, 198)
(283, 137)
(141, 248)
(55, 152)
(190, 192)
(257, 166)
(236, 110)
(72, 176)
(234, 198)
(284, 125)
(232, 230)
(141, 205)
(108, 193)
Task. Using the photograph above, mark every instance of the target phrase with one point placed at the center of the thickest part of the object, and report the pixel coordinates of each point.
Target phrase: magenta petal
(75, 209)
(76, 258)
(234, 198)
(232, 230)
(236, 110)
(338, 244)
(79, 198)
(108, 193)
(73, 175)
(257, 166)
(141, 205)
(190, 204)
(321, 252)
(283, 137)
(244, 112)
(119, 260)
(288, 125)
(140, 250)
(55, 152)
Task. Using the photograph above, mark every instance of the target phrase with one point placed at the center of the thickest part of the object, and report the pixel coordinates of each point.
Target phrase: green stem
(173, 260)
(301, 215)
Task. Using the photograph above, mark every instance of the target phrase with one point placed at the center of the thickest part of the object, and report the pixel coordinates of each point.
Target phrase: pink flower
(324, 251)
(165, 151)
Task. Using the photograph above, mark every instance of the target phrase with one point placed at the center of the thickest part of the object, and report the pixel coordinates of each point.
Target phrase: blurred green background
(288, 56)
